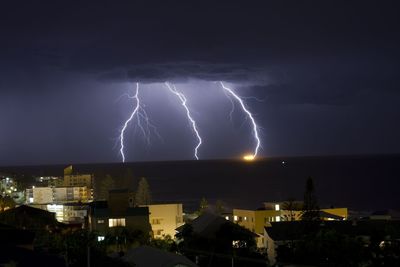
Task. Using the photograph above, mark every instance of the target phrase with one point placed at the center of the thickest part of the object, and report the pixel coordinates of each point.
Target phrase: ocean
(366, 182)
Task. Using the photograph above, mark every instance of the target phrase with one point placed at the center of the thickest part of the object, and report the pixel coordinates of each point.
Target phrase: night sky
(325, 73)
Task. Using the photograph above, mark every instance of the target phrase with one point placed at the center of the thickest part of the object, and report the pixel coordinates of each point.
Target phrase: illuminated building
(57, 195)
(256, 220)
(78, 180)
(165, 218)
(68, 212)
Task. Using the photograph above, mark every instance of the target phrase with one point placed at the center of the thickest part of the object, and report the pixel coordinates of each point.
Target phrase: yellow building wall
(342, 212)
(255, 220)
(79, 180)
(165, 218)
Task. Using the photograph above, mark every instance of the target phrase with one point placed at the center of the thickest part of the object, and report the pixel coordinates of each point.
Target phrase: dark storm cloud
(183, 71)
(331, 66)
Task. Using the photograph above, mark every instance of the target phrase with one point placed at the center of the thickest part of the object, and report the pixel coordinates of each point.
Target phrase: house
(118, 211)
(209, 226)
(256, 220)
(288, 233)
(211, 237)
(27, 217)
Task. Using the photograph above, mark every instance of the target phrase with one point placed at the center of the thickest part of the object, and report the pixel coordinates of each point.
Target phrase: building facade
(118, 211)
(165, 218)
(57, 195)
(256, 220)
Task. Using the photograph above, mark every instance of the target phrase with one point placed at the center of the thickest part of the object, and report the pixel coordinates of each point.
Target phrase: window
(245, 218)
(100, 221)
(116, 222)
(156, 221)
(277, 208)
(235, 218)
(100, 238)
(277, 218)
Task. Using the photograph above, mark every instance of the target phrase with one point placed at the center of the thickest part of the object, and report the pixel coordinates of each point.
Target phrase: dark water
(357, 182)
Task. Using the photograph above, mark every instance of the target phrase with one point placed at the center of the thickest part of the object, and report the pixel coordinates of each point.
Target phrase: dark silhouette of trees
(203, 206)
(6, 203)
(291, 206)
(104, 186)
(219, 207)
(310, 210)
(143, 194)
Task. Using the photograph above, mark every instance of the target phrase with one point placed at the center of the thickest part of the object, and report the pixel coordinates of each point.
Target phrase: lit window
(277, 218)
(227, 218)
(235, 218)
(31, 200)
(116, 222)
(100, 221)
(100, 238)
(245, 218)
(277, 208)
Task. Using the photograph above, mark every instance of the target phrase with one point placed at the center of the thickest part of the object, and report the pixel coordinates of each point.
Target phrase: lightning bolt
(139, 114)
(134, 112)
(183, 100)
(249, 115)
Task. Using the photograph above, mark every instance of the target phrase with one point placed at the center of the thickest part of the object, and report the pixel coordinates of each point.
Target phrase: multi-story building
(118, 211)
(165, 218)
(68, 212)
(39, 195)
(57, 195)
(49, 181)
(78, 180)
(256, 220)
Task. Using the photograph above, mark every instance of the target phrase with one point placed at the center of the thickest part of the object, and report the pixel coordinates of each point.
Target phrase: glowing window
(116, 222)
(100, 221)
(277, 208)
(235, 218)
(277, 218)
(100, 238)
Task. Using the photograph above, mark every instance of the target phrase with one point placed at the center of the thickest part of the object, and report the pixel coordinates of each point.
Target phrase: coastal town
(74, 218)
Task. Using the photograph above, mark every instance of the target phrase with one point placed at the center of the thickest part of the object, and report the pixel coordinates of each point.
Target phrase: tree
(291, 206)
(129, 179)
(203, 206)
(6, 203)
(143, 194)
(105, 185)
(219, 207)
(310, 210)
